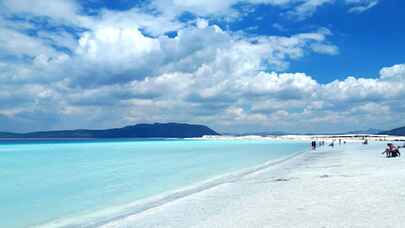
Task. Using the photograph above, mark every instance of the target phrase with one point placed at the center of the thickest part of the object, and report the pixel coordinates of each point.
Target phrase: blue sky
(235, 65)
(367, 41)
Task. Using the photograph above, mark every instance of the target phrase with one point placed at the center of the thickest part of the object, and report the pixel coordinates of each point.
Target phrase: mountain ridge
(143, 130)
(400, 131)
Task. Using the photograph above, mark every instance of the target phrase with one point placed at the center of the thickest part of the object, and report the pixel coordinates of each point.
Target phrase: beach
(352, 185)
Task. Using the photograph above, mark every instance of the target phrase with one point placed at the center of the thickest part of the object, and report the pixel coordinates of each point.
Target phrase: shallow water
(45, 181)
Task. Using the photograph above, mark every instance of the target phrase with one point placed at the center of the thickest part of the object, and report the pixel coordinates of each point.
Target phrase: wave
(105, 216)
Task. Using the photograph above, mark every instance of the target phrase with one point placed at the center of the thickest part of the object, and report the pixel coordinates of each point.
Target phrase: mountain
(8, 135)
(156, 130)
(397, 131)
(370, 131)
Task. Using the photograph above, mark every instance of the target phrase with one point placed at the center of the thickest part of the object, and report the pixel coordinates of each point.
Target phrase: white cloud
(357, 89)
(202, 23)
(284, 85)
(152, 24)
(19, 44)
(299, 9)
(115, 44)
(213, 75)
(396, 72)
(325, 49)
(122, 68)
(121, 53)
(359, 6)
(218, 95)
(60, 39)
(66, 10)
(307, 8)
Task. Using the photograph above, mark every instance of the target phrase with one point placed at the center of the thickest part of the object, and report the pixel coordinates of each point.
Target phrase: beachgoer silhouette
(313, 144)
(391, 151)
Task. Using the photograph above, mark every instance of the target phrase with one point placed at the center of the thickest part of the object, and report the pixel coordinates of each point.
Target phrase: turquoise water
(45, 181)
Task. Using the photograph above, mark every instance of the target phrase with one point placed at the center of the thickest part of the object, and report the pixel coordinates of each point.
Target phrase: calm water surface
(44, 181)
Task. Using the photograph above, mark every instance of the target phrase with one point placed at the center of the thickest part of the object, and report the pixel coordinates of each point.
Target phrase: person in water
(313, 144)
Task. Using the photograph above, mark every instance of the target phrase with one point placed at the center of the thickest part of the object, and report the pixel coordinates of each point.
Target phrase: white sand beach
(350, 186)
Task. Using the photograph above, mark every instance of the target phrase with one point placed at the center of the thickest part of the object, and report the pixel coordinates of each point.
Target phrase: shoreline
(347, 187)
(347, 138)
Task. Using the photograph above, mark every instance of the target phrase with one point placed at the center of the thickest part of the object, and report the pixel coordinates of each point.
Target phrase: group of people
(392, 151)
(314, 144)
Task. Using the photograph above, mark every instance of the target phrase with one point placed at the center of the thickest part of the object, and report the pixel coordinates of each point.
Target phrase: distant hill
(8, 135)
(370, 131)
(156, 130)
(397, 131)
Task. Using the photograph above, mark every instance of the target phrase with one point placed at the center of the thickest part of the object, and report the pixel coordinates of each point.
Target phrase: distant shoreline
(231, 137)
(348, 138)
(84, 139)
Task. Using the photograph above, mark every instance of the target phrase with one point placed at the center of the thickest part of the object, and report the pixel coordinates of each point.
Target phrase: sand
(351, 186)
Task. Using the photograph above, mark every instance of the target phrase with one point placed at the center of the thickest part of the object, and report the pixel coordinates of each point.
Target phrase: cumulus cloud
(116, 63)
(121, 67)
(122, 53)
(396, 72)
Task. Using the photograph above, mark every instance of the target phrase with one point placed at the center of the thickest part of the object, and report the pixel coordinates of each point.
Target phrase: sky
(237, 66)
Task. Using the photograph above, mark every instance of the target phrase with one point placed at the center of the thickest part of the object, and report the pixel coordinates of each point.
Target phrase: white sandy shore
(347, 137)
(352, 186)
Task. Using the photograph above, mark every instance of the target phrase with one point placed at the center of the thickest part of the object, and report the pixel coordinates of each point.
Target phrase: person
(391, 151)
(313, 145)
(394, 151)
(387, 151)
